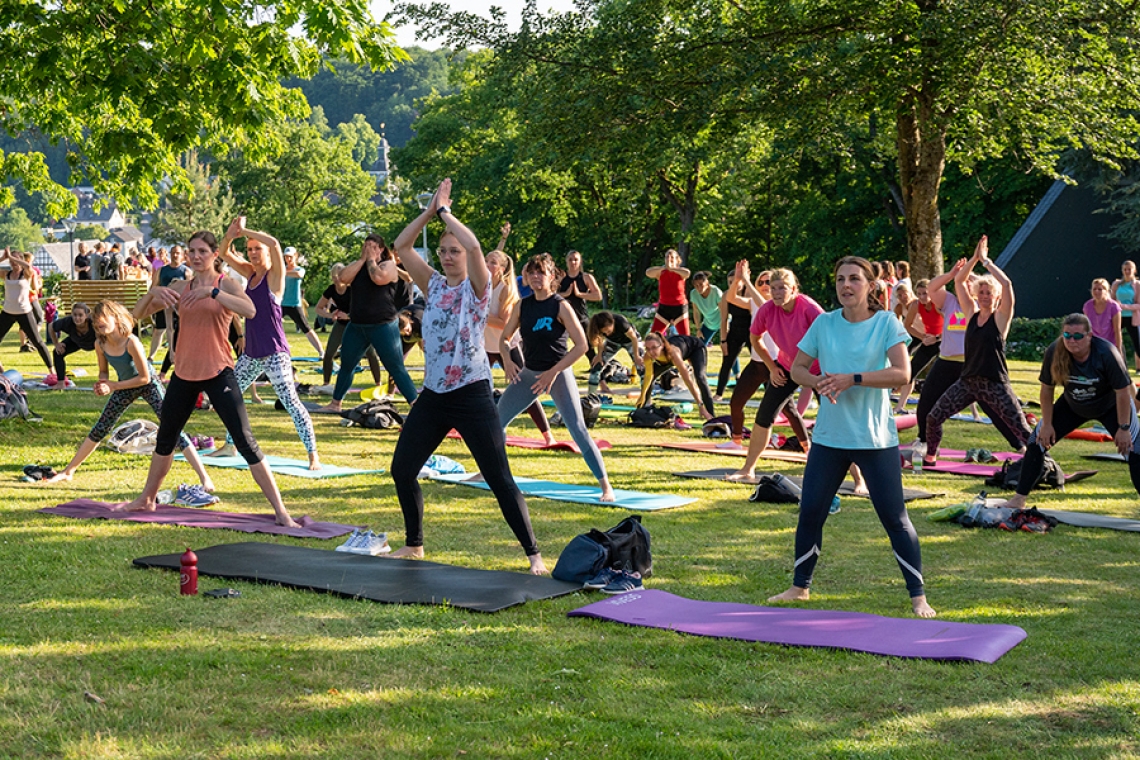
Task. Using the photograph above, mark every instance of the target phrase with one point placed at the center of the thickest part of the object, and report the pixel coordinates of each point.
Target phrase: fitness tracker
(214, 293)
(858, 379)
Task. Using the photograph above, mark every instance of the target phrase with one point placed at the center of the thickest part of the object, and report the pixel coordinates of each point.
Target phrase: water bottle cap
(189, 558)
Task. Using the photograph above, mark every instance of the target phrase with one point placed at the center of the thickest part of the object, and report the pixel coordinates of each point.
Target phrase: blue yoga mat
(286, 466)
(545, 489)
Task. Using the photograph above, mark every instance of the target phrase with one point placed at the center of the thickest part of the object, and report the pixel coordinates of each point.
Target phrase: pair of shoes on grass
(611, 581)
(981, 456)
(366, 542)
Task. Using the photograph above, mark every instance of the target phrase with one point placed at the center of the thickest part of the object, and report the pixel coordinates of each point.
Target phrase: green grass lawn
(280, 673)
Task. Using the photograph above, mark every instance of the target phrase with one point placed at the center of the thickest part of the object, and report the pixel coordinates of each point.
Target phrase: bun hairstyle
(873, 303)
(1062, 365)
(206, 237)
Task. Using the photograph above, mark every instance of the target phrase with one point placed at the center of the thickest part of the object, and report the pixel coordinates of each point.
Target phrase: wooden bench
(90, 292)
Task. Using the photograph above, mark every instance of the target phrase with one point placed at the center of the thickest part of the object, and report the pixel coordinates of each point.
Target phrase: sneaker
(834, 508)
(680, 424)
(372, 544)
(602, 579)
(354, 538)
(194, 496)
(623, 583)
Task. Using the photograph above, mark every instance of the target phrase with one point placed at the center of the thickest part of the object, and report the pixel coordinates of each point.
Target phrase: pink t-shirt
(1102, 323)
(787, 328)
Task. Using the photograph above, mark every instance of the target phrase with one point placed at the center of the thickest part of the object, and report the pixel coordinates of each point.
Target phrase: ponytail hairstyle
(124, 323)
(873, 303)
(510, 295)
(1062, 365)
(598, 322)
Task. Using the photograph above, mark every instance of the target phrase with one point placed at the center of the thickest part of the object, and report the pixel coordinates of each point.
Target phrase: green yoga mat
(286, 466)
(545, 489)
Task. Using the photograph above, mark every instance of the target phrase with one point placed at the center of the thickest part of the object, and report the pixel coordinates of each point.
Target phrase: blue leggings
(825, 471)
(385, 338)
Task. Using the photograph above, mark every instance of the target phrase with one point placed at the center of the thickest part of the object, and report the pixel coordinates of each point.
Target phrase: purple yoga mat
(899, 637)
(201, 518)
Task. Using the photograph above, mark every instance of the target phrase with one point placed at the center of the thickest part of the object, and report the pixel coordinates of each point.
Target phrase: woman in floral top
(457, 378)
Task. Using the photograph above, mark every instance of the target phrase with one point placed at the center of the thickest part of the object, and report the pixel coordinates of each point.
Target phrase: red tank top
(203, 349)
(671, 289)
(931, 319)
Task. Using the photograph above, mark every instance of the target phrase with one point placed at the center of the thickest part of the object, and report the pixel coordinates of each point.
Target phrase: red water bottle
(189, 580)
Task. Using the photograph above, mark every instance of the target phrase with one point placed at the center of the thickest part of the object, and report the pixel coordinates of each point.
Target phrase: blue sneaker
(623, 583)
(194, 496)
(834, 508)
(602, 579)
(353, 539)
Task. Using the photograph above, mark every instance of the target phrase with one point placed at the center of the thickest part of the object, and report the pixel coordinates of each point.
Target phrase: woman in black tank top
(985, 376)
(662, 353)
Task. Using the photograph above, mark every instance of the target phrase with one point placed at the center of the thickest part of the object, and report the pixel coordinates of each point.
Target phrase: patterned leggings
(118, 402)
(999, 397)
(279, 368)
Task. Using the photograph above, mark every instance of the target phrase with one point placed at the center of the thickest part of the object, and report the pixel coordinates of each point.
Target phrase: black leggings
(922, 356)
(825, 471)
(699, 362)
(225, 396)
(1065, 421)
(60, 360)
(28, 324)
(169, 359)
(471, 411)
(942, 375)
(333, 344)
(297, 314)
(737, 339)
(535, 410)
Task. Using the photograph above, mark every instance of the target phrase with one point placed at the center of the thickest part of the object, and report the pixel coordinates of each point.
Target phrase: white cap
(290, 251)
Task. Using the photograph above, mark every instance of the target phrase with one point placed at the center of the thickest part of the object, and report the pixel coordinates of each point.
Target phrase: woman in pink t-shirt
(1104, 314)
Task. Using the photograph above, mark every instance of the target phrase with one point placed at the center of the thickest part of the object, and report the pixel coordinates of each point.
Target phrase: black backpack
(378, 414)
(616, 372)
(771, 491)
(13, 400)
(591, 409)
(625, 547)
(1007, 478)
(652, 416)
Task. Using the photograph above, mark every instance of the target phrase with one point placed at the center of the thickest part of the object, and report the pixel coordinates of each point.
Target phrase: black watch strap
(858, 379)
(214, 293)
(441, 209)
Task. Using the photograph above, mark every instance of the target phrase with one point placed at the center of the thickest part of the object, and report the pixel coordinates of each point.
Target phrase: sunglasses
(1073, 336)
(764, 282)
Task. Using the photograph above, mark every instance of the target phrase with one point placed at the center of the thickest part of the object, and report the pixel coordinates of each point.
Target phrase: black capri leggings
(297, 314)
(28, 324)
(738, 338)
(60, 360)
(922, 356)
(225, 396)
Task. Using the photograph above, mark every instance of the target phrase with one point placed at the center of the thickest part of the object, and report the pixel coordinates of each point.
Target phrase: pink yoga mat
(799, 626)
(201, 518)
(712, 447)
(519, 442)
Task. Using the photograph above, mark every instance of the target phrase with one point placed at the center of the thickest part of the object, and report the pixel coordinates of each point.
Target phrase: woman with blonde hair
(19, 283)
(1125, 291)
(1104, 314)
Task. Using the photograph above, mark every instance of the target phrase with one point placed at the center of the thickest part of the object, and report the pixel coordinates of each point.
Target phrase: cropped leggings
(225, 397)
(28, 324)
(776, 399)
(279, 368)
(335, 337)
(998, 399)
(825, 471)
(535, 410)
(942, 375)
(564, 391)
(385, 338)
(118, 402)
(471, 411)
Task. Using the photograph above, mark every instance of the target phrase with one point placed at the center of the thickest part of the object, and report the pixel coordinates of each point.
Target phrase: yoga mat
(857, 631)
(380, 579)
(1093, 520)
(637, 501)
(286, 466)
(1089, 435)
(711, 447)
(846, 489)
(1108, 456)
(519, 442)
(1001, 456)
(986, 470)
(963, 417)
(189, 517)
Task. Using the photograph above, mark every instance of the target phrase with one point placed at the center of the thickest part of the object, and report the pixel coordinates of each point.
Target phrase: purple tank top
(264, 335)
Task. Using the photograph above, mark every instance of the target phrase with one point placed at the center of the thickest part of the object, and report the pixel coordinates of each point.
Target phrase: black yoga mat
(396, 581)
(847, 489)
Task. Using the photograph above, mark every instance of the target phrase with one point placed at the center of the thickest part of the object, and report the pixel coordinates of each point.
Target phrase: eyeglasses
(764, 282)
(1073, 336)
(450, 251)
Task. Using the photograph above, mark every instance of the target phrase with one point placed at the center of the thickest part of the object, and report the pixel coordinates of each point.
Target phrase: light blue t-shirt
(861, 417)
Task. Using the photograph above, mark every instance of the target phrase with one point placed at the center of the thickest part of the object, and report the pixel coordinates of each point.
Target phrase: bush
(1028, 338)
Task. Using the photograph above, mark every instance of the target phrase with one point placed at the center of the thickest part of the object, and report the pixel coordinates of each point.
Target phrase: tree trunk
(684, 201)
(922, 160)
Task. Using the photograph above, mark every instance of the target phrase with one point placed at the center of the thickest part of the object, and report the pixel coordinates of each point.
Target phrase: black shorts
(159, 318)
(297, 314)
(672, 313)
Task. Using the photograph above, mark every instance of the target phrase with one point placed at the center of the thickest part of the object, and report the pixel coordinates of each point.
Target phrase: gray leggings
(518, 396)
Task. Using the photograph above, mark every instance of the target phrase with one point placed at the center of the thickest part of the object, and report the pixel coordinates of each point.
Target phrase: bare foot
(536, 565)
(741, 475)
(1017, 501)
(549, 439)
(141, 504)
(227, 450)
(921, 608)
(861, 488)
(408, 552)
(314, 461)
(607, 492)
(59, 477)
(285, 521)
(794, 594)
(332, 407)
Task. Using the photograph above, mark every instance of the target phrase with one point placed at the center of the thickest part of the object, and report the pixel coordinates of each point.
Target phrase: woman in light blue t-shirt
(862, 353)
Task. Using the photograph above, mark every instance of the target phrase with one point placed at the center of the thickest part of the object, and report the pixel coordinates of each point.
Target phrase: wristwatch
(858, 378)
(441, 209)
(214, 293)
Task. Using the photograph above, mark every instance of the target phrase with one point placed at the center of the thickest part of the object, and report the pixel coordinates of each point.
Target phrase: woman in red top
(929, 340)
(672, 304)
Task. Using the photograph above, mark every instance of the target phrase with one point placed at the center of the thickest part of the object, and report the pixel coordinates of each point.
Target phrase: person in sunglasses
(1096, 386)
(985, 376)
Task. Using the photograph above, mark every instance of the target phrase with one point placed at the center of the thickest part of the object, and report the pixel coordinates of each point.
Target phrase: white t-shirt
(453, 326)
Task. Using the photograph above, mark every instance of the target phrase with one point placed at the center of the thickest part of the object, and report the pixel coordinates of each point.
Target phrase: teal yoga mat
(545, 489)
(286, 466)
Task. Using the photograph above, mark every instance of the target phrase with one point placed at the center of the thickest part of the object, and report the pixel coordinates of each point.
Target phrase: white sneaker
(374, 544)
(353, 539)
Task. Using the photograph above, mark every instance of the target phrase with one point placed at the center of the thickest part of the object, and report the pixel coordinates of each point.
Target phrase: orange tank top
(203, 349)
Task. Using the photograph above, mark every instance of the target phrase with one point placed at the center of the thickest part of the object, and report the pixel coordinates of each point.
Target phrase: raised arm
(405, 242)
(477, 272)
(226, 251)
(937, 286)
(1005, 307)
(276, 259)
(962, 289)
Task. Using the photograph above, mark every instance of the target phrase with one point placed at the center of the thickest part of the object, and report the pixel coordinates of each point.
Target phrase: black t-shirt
(416, 313)
(85, 341)
(689, 344)
(543, 335)
(374, 304)
(340, 301)
(577, 303)
(81, 262)
(1091, 389)
(620, 335)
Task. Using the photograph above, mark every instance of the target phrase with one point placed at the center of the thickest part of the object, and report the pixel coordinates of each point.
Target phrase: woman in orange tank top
(203, 363)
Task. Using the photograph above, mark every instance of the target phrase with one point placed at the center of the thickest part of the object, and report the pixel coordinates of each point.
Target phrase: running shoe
(834, 508)
(602, 579)
(373, 544)
(623, 583)
(680, 424)
(194, 496)
(353, 540)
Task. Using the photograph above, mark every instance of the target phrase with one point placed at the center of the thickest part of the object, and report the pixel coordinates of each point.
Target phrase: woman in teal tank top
(1124, 291)
(116, 346)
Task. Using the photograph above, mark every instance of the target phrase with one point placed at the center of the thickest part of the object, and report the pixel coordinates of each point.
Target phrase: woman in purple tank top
(266, 348)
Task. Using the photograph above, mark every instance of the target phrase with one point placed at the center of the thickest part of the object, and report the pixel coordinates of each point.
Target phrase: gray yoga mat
(847, 489)
(379, 579)
(1093, 520)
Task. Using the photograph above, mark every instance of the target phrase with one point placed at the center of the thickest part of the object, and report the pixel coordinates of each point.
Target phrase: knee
(249, 450)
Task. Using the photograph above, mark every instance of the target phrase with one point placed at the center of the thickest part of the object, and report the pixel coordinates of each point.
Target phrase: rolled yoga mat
(380, 579)
(545, 489)
(857, 631)
(190, 517)
(518, 442)
(846, 489)
(285, 466)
